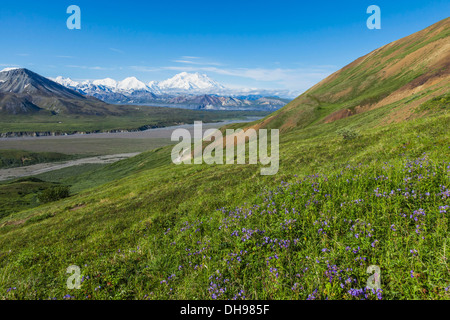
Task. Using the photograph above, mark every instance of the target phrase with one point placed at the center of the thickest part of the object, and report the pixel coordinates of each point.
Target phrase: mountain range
(189, 90)
(188, 83)
(23, 91)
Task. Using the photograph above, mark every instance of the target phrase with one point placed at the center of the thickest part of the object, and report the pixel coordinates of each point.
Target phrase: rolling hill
(23, 91)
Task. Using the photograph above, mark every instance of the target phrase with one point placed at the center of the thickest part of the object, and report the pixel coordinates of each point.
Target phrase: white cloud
(197, 61)
(144, 69)
(88, 67)
(116, 50)
(190, 57)
(296, 79)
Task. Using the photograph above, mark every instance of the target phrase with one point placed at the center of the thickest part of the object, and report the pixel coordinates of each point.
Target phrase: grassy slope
(415, 68)
(20, 194)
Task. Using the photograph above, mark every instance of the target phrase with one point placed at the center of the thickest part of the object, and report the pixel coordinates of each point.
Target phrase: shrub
(54, 194)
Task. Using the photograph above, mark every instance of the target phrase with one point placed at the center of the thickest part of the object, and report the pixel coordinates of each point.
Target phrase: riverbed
(98, 148)
(95, 144)
(35, 169)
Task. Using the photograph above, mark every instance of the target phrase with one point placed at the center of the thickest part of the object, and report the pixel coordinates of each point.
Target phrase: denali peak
(131, 84)
(190, 82)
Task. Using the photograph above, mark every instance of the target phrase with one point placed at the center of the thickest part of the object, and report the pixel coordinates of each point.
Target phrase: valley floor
(14, 173)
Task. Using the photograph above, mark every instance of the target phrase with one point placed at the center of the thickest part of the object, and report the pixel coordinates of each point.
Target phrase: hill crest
(415, 68)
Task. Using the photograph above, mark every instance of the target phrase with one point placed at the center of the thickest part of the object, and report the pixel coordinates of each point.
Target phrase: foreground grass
(224, 232)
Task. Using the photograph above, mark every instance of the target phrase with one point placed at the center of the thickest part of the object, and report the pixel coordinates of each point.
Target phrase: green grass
(436, 104)
(118, 232)
(87, 176)
(76, 176)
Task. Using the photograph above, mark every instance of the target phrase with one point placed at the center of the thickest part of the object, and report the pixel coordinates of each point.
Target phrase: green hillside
(117, 230)
(400, 76)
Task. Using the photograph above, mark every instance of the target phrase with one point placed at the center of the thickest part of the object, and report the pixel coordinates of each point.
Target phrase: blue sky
(260, 44)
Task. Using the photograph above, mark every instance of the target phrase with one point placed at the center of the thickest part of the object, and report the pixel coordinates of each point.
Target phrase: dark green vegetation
(116, 233)
(436, 104)
(133, 118)
(144, 228)
(25, 193)
(21, 194)
(54, 194)
(18, 158)
(85, 146)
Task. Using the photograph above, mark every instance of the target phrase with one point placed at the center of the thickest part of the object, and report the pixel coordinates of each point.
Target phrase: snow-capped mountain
(108, 82)
(66, 82)
(9, 69)
(110, 90)
(153, 86)
(187, 83)
(190, 82)
(192, 90)
(132, 84)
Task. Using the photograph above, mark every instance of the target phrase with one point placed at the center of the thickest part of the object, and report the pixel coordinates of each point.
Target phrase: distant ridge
(185, 90)
(24, 81)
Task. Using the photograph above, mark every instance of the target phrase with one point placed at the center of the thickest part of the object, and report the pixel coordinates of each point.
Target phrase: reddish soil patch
(78, 207)
(341, 114)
